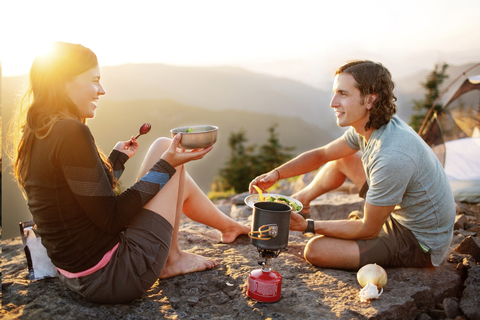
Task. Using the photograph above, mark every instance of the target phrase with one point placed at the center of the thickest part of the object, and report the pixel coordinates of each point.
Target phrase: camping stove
(265, 284)
(270, 230)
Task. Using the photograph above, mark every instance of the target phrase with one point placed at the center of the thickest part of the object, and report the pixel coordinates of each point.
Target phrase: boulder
(451, 307)
(470, 245)
(240, 211)
(307, 292)
(336, 205)
(460, 222)
(470, 302)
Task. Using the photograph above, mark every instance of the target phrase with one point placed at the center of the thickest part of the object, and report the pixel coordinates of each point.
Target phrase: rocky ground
(447, 292)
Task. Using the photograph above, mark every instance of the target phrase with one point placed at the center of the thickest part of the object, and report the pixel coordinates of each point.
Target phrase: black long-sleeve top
(70, 195)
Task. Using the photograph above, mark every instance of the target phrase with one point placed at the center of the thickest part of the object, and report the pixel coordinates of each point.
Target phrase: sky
(404, 35)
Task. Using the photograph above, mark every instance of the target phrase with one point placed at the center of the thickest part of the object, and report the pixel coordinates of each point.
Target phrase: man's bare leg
(333, 253)
(331, 176)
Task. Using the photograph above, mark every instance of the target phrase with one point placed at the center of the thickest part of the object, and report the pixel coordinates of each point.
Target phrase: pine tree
(244, 165)
(432, 85)
(237, 172)
(273, 154)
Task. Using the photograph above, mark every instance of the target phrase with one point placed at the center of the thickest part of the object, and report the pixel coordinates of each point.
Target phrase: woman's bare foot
(229, 235)
(181, 262)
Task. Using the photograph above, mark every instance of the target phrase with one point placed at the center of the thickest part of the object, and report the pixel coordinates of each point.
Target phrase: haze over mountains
(217, 88)
(230, 97)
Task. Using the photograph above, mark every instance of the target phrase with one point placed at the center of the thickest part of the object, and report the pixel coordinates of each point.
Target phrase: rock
(335, 205)
(239, 199)
(451, 307)
(470, 302)
(225, 208)
(299, 184)
(457, 239)
(240, 211)
(460, 222)
(462, 208)
(468, 262)
(455, 257)
(307, 292)
(423, 316)
(470, 245)
(465, 233)
(475, 229)
(437, 314)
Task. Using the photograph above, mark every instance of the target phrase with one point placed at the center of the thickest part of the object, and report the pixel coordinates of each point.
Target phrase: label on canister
(263, 289)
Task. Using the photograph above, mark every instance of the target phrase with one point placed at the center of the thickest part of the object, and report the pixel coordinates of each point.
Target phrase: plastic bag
(39, 264)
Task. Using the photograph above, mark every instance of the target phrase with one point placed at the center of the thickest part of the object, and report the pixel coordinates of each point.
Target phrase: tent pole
(440, 96)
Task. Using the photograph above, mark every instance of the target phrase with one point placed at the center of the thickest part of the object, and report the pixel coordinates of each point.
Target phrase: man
(409, 207)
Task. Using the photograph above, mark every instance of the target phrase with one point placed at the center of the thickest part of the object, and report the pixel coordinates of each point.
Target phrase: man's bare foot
(229, 235)
(181, 262)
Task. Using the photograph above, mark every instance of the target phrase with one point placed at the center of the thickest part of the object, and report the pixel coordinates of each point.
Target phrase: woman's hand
(129, 147)
(263, 181)
(175, 156)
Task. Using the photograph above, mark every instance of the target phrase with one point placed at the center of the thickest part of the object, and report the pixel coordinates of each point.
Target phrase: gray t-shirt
(402, 170)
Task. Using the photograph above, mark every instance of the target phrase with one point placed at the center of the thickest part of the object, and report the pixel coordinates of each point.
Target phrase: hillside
(226, 88)
(218, 88)
(120, 120)
(413, 84)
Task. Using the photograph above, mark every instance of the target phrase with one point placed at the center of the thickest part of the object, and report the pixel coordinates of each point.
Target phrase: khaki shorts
(395, 246)
(135, 266)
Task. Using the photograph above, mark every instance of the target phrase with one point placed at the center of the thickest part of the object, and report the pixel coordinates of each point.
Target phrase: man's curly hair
(372, 78)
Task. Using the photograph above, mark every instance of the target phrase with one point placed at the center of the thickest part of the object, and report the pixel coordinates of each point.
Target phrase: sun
(17, 62)
(42, 48)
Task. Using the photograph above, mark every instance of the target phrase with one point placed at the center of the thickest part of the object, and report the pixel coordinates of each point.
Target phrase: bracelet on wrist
(278, 174)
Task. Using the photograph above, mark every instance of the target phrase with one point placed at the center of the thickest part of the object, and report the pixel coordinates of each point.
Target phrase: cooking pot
(271, 224)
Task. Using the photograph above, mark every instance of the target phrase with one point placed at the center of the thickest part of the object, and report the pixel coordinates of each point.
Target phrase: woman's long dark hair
(45, 101)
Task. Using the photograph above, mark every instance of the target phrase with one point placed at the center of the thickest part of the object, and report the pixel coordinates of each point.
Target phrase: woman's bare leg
(196, 204)
(199, 208)
(168, 203)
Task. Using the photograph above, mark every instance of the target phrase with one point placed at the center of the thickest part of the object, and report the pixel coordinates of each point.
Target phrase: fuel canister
(264, 286)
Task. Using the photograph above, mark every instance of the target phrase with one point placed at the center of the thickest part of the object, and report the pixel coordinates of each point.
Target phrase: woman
(109, 248)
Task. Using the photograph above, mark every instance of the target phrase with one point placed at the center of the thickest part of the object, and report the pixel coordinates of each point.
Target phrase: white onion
(372, 273)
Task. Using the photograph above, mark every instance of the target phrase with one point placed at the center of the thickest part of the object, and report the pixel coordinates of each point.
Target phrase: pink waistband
(106, 258)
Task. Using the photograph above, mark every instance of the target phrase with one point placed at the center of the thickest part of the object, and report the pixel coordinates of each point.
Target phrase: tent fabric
(474, 79)
(469, 84)
(466, 190)
(453, 133)
(462, 159)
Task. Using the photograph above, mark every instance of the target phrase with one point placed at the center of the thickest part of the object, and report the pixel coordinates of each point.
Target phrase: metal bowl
(200, 137)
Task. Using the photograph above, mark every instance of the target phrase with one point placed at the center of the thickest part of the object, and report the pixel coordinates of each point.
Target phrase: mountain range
(232, 98)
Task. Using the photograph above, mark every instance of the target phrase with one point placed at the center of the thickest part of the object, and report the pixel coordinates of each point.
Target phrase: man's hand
(297, 222)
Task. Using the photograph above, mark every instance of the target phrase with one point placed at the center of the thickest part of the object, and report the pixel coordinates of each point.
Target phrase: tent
(453, 133)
